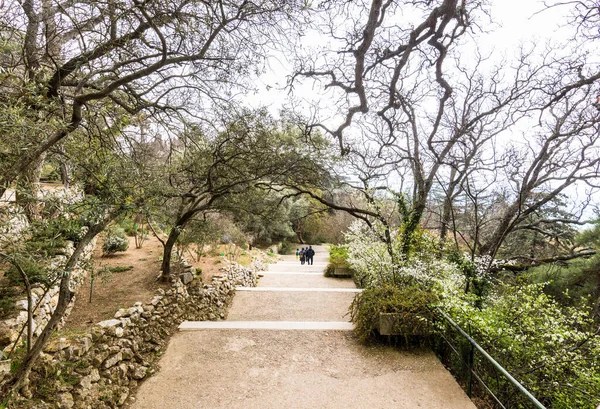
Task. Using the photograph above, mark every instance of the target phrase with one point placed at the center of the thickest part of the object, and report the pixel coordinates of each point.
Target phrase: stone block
(186, 278)
(109, 323)
(112, 360)
(65, 401)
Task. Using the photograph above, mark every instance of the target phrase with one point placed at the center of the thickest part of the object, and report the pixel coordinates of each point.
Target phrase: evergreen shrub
(115, 241)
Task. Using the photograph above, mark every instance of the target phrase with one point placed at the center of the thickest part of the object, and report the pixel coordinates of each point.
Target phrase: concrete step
(307, 280)
(290, 306)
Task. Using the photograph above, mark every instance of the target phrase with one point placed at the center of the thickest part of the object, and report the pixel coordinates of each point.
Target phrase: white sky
(515, 22)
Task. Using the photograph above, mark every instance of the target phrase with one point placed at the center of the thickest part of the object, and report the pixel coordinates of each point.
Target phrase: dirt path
(250, 368)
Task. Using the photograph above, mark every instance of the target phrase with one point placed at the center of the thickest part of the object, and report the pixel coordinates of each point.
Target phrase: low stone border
(100, 369)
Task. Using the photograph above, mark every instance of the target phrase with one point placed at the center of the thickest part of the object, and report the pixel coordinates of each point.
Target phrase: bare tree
(417, 116)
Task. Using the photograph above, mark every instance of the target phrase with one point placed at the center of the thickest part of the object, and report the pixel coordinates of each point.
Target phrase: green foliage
(35, 271)
(411, 303)
(8, 297)
(338, 258)
(129, 226)
(552, 350)
(50, 172)
(115, 241)
(577, 283)
(286, 248)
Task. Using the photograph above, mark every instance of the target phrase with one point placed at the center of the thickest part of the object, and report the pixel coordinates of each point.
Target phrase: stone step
(268, 325)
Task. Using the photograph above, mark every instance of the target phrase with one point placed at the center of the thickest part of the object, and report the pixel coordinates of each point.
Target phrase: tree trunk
(447, 210)
(167, 252)
(28, 194)
(22, 373)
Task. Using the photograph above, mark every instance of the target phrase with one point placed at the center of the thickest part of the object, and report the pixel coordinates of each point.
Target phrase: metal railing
(466, 352)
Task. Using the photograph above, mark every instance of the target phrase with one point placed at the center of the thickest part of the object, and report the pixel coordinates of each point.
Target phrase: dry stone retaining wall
(100, 369)
(44, 302)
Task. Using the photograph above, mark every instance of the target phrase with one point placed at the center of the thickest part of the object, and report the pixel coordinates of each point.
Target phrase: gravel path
(256, 369)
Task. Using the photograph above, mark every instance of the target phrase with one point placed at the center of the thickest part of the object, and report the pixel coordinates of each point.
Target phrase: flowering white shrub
(375, 264)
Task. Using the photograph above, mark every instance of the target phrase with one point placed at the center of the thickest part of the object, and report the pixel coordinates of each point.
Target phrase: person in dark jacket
(302, 255)
(309, 253)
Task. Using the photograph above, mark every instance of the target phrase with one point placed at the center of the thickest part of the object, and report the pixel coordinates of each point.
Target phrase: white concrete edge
(291, 273)
(268, 325)
(300, 289)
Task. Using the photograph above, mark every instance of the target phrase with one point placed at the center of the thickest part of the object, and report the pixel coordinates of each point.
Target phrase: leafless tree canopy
(422, 108)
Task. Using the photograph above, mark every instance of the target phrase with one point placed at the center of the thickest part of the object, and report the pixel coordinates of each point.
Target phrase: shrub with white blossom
(552, 350)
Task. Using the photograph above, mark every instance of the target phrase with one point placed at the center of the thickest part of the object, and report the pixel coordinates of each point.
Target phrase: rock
(95, 375)
(119, 332)
(122, 370)
(109, 323)
(99, 358)
(139, 372)
(86, 382)
(65, 400)
(22, 318)
(112, 360)
(7, 334)
(57, 345)
(4, 366)
(124, 394)
(186, 278)
(127, 353)
(121, 313)
(21, 305)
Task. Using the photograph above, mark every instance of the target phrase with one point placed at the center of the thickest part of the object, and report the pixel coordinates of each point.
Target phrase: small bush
(129, 226)
(286, 248)
(412, 303)
(115, 241)
(338, 258)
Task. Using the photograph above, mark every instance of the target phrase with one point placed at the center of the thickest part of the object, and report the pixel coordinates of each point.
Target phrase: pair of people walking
(305, 255)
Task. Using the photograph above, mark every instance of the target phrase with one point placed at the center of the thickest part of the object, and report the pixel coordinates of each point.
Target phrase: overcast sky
(515, 22)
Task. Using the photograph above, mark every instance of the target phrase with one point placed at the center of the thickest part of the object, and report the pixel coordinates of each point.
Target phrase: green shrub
(552, 350)
(36, 273)
(8, 298)
(411, 303)
(129, 226)
(338, 258)
(115, 241)
(286, 248)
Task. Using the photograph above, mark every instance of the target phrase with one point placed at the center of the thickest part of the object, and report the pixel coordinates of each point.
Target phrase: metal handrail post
(470, 365)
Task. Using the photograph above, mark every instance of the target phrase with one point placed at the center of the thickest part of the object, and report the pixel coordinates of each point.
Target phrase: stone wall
(44, 302)
(102, 368)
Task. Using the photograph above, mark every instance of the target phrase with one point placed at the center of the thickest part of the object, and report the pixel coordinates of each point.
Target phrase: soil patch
(133, 279)
(118, 289)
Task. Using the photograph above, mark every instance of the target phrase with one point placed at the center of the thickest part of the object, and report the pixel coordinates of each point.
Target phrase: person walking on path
(302, 256)
(310, 253)
(297, 254)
